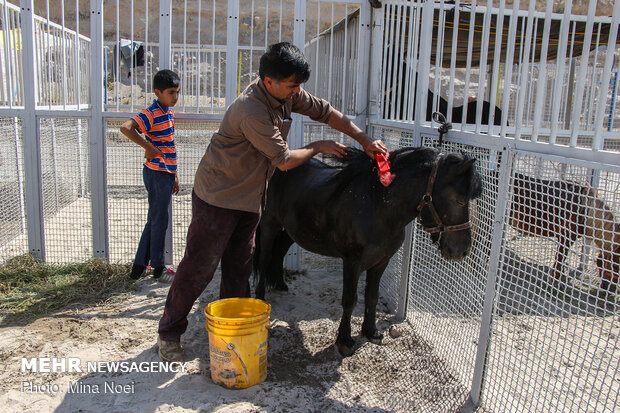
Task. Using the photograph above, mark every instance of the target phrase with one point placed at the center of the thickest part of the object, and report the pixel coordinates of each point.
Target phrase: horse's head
(444, 210)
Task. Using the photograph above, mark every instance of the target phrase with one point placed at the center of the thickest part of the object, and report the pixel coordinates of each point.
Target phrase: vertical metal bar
(199, 59)
(439, 46)
(375, 84)
(362, 81)
(146, 53)
(132, 78)
(54, 164)
(524, 77)
(509, 64)
(541, 87)
(345, 66)
(213, 57)
(8, 55)
(396, 73)
(280, 24)
(410, 74)
(183, 59)
(165, 34)
(98, 166)
(31, 136)
(590, 104)
(20, 174)
(470, 48)
(318, 46)
(492, 274)
(425, 63)
(64, 56)
(486, 32)
(614, 99)
(251, 51)
(232, 37)
(165, 62)
(77, 53)
(403, 288)
(529, 82)
(455, 34)
(299, 28)
(117, 57)
(583, 65)
(499, 34)
(570, 85)
(331, 57)
(387, 59)
(597, 141)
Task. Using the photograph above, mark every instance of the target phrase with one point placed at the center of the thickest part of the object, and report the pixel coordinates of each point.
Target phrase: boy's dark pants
(159, 186)
(214, 233)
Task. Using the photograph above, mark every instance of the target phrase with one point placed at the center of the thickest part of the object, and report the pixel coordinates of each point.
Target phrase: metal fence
(528, 322)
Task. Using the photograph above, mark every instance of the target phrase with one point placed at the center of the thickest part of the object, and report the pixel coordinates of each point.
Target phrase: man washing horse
(232, 178)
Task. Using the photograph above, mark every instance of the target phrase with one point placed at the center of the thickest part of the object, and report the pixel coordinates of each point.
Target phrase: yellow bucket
(238, 341)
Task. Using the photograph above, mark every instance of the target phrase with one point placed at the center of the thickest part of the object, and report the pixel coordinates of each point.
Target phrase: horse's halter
(427, 199)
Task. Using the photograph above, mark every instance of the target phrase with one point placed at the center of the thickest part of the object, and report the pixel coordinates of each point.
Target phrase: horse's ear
(466, 165)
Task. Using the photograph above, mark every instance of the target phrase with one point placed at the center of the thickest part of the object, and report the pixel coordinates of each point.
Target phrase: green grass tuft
(30, 288)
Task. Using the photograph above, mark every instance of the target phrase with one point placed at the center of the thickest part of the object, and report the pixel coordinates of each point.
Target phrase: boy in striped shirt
(159, 172)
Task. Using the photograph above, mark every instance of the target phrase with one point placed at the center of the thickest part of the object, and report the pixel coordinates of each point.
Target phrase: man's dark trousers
(214, 234)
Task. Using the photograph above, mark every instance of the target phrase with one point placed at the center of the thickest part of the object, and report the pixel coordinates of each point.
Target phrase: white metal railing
(461, 309)
(61, 60)
(542, 97)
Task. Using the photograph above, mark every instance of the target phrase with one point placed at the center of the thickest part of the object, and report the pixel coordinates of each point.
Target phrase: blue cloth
(159, 188)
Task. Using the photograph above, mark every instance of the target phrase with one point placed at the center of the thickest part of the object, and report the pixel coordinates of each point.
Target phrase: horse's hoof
(346, 347)
(374, 337)
(344, 350)
(281, 286)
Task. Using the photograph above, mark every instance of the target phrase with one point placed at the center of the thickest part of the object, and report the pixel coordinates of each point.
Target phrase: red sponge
(385, 176)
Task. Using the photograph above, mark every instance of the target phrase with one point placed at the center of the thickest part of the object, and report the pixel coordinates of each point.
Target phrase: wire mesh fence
(13, 240)
(555, 324)
(66, 189)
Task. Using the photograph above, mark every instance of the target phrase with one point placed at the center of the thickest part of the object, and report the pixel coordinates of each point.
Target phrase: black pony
(345, 212)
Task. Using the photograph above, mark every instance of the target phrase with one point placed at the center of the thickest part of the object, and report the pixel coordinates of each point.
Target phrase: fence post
(31, 136)
(403, 288)
(363, 67)
(98, 171)
(232, 60)
(165, 34)
(374, 76)
(494, 265)
(165, 62)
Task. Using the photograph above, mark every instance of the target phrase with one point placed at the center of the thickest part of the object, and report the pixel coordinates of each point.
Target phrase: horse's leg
(280, 247)
(269, 230)
(371, 297)
(351, 274)
(558, 269)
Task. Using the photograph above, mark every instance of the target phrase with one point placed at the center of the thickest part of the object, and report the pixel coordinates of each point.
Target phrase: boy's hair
(165, 79)
(281, 60)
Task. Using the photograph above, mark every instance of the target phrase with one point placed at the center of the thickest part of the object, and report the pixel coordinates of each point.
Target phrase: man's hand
(152, 152)
(176, 187)
(343, 124)
(374, 147)
(330, 147)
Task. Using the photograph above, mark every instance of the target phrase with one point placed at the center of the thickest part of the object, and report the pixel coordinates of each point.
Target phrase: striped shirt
(157, 125)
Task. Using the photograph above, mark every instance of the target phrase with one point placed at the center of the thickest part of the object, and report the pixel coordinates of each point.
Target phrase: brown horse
(567, 211)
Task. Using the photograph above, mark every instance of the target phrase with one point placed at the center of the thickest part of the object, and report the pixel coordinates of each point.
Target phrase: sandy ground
(305, 371)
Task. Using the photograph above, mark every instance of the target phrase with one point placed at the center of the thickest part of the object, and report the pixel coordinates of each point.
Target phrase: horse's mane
(357, 163)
